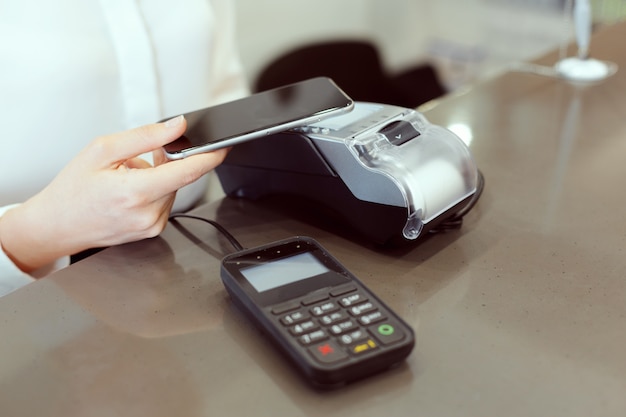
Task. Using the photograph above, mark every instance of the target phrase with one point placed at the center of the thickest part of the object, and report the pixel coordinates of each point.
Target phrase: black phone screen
(259, 112)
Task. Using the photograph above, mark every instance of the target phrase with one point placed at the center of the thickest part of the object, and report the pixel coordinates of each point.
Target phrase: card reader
(384, 170)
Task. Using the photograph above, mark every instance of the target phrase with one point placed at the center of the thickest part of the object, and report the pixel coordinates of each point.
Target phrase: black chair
(356, 66)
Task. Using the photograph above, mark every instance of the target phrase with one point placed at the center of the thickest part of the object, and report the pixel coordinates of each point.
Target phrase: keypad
(339, 324)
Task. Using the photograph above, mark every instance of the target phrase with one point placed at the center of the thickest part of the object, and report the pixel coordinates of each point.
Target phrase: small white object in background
(582, 67)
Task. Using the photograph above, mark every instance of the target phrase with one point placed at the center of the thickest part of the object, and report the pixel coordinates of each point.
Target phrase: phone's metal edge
(260, 133)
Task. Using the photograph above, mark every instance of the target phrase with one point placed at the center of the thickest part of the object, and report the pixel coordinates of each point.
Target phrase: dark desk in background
(522, 312)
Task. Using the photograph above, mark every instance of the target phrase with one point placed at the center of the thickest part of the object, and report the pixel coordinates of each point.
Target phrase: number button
(303, 327)
(324, 309)
(295, 317)
(361, 309)
(332, 318)
(342, 327)
(352, 299)
(371, 318)
(353, 337)
(313, 337)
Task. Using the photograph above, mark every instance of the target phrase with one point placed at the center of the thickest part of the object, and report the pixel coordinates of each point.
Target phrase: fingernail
(175, 121)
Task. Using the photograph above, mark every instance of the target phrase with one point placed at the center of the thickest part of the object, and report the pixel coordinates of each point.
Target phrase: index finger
(113, 150)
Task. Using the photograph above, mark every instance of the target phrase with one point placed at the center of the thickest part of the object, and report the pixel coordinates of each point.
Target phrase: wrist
(21, 243)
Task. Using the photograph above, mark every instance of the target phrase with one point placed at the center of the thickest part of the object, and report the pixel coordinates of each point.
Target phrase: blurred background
(463, 40)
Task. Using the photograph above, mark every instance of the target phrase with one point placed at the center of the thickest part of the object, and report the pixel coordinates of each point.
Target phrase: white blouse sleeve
(12, 278)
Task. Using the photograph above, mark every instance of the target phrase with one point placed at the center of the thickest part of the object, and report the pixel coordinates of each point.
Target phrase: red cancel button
(328, 352)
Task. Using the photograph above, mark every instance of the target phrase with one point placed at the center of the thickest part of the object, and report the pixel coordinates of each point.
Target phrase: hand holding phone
(260, 114)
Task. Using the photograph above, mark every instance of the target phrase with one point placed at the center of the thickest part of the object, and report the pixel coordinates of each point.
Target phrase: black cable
(456, 221)
(233, 241)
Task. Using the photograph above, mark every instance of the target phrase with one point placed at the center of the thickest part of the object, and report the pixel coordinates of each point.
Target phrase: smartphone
(325, 320)
(259, 115)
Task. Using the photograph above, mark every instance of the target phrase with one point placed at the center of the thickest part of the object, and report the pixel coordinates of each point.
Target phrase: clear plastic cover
(434, 170)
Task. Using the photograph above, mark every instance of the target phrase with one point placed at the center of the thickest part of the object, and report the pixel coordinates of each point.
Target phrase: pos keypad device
(331, 327)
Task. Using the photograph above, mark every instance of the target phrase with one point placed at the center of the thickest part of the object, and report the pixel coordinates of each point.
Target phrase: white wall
(269, 27)
(464, 38)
